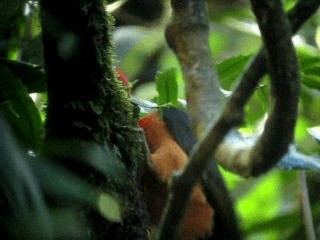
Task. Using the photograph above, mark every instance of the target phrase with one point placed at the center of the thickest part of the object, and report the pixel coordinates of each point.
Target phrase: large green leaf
(257, 106)
(282, 223)
(66, 223)
(313, 69)
(311, 81)
(310, 101)
(33, 78)
(261, 201)
(19, 108)
(62, 184)
(98, 157)
(231, 69)
(310, 69)
(167, 87)
(20, 190)
(25, 180)
(308, 60)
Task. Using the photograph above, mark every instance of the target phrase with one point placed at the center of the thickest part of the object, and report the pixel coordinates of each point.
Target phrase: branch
(187, 36)
(285, 84)
(225, 221)
(305, 206)
(228, 154)
(225, 224)
(293, 160)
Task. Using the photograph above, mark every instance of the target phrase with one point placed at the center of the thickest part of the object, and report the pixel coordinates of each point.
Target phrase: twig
(305, 207)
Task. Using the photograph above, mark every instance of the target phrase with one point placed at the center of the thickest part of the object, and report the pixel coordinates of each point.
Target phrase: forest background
(268, 207)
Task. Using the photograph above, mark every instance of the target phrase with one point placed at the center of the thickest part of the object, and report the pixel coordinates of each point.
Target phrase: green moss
(87, 102)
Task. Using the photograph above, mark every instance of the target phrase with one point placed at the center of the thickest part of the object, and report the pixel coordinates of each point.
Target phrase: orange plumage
(167, 157)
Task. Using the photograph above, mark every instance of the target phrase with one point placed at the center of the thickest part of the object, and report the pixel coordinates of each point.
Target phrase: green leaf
(281, 222)
(263, 193)
(20, 189)
(313, 69)
(66, 222)
(99, 157)
(230, 69)
(229, 72)
(311, 81)
(60, 183)
(257, 106)
(30, 75)
(310, 105)
(19, 108)
(307, 60)
(167, 87)
(109, 207)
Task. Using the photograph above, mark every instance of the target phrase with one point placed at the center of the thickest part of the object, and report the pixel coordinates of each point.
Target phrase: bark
(87, 103)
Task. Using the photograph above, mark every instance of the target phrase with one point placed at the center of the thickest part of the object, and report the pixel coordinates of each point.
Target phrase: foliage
(28, 179)
(167, 87)
(268, 207)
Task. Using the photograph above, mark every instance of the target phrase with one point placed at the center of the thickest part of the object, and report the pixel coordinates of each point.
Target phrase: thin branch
(306, 208)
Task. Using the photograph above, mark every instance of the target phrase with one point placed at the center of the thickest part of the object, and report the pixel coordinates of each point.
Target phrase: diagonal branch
(285, 84)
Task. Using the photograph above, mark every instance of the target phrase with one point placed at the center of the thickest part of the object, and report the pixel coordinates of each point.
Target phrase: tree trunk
(86, 102)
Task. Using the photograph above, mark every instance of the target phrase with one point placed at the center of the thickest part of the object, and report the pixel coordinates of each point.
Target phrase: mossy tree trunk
(86, 103)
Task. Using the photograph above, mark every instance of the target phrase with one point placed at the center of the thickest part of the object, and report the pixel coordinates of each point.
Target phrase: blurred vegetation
(268, 207)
